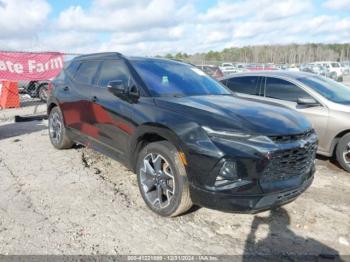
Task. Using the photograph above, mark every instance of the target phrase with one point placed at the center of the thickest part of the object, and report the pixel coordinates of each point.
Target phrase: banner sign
(15, 66)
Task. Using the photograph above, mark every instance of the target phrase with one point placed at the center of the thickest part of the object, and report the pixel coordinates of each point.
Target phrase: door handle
(94, 99)
(66, 88)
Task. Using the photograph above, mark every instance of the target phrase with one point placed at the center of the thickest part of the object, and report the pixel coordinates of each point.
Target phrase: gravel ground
(79, 202)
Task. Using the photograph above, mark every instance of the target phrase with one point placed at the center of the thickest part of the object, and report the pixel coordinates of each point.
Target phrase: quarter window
(246, 85)
(113, 70)
(86, 72)
(283, 90)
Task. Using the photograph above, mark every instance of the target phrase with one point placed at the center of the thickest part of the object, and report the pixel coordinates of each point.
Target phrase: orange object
(9, 97)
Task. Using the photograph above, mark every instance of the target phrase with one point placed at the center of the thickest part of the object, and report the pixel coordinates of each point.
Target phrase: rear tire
(162, 179)
(343, 152)
(43, 92)
(57, 131)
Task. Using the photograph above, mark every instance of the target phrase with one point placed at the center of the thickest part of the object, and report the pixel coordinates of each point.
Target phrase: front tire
(343, 152)
(162, 179)
(57, 131)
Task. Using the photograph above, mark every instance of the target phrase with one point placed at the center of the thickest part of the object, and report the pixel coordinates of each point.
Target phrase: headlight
(236, 135)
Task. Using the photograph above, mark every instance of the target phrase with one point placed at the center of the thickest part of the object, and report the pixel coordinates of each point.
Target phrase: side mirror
(117, 88)
(307, 101)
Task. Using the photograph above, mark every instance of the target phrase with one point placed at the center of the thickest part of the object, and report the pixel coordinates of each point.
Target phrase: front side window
(246, 85)
(86, 72)
(330, 89)
(335, 65)
(113, 70)
(283, 90)
(171, 78)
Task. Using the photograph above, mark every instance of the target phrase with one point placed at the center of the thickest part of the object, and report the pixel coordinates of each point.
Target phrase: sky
(151, 27)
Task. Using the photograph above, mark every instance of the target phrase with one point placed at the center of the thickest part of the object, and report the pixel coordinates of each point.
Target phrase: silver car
(326, 103)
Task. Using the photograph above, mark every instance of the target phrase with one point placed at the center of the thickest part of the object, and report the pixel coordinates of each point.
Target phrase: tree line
(278, 54)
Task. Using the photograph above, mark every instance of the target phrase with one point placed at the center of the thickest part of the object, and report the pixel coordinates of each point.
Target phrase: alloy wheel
(346, 154)
(157, 180)
(55, 128)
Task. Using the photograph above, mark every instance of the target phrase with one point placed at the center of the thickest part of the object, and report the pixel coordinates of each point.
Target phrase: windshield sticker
(165, 80)
(198, 71)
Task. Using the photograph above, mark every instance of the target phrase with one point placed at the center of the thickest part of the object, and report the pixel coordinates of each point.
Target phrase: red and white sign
(16, 66)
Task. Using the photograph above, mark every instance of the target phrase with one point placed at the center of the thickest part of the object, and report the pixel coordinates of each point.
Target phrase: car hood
(232, 113)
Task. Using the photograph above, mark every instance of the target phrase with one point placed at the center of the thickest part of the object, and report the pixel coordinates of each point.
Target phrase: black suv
(188, 139)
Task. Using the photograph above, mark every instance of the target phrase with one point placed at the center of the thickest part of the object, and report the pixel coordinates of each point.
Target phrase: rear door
(111, 114)
(77, 106)
(245, 86)
(287, 93)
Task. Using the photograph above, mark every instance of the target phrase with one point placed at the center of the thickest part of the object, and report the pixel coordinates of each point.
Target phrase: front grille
(292, 138)
(285, 164)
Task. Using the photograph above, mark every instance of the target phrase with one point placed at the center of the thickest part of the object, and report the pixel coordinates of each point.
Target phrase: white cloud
(130, 15)
(22, 18)
(337, 4)
(226, 11)
(149, 27)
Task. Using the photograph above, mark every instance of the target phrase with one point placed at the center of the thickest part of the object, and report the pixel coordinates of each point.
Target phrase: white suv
(334, 70)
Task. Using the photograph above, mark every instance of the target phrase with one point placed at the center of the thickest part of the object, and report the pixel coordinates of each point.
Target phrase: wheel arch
(336, 140)
(148, 133)
(50, 106)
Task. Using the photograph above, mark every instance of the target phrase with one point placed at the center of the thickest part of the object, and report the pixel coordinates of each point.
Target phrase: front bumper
(247, 203)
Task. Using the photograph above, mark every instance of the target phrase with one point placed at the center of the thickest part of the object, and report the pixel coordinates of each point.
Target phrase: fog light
(227, 174)
(229, 170)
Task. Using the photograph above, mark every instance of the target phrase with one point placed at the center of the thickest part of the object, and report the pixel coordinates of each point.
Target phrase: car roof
(276, 73)
(104, 55)
(116, 55)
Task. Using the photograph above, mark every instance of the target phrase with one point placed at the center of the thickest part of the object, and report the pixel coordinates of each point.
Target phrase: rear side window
(113, 70)
(72, 68)
(335, 65)
(246, 85)
(86, 72)
(283, 90)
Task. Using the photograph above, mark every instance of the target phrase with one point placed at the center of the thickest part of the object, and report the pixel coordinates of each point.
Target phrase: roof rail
(99, 55)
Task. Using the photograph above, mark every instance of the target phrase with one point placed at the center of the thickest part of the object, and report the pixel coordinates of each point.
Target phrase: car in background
(334, 70)
(317, 69)
(228, 68)
(345, 66)
(259, 67)
(227, 65)
(325, 102)
(293, 67)
(188, 139)
(211, 70)
(35, 89)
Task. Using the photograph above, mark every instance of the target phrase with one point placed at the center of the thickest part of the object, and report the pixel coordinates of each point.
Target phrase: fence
(32, 94)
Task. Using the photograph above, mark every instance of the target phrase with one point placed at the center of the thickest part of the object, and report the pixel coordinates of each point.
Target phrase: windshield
(170, 78)
(328, 88)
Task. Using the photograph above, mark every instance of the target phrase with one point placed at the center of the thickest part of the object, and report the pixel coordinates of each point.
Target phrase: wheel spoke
(160, 194)
(168, 174)
(157, 162)
(148, 169)
(167, 188)
(149, 185)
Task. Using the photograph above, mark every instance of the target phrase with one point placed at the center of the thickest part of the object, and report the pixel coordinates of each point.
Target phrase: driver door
(111, 114)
